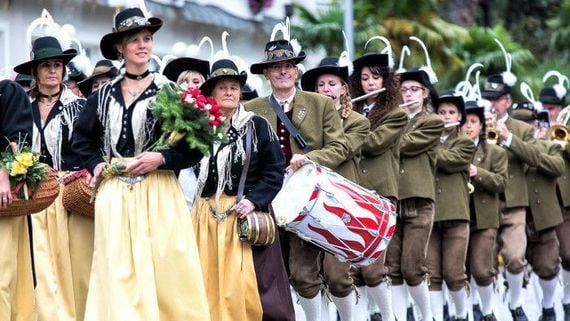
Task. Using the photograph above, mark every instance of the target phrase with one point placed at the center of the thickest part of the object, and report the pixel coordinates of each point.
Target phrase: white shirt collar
(287, 101)
(503, 119)
(411, 116)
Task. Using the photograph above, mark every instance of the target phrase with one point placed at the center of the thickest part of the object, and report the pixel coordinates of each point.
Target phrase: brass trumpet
(492, 136)
(559, 134)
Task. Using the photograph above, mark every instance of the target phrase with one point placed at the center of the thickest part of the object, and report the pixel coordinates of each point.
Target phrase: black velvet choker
(137, 77)
(49, 97)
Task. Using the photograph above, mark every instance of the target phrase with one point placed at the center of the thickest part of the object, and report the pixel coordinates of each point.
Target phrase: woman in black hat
(447, 247)
(259, 288)
(103, 72)
(331, 79)
(17, 298)
(372, 71)
(55, 109)
(405, 257)
(488, 173)
(145, 263)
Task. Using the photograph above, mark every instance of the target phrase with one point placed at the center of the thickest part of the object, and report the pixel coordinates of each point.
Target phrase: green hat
(45, 48)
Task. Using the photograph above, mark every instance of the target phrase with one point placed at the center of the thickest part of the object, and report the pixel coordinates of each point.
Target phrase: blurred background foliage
(457, 34)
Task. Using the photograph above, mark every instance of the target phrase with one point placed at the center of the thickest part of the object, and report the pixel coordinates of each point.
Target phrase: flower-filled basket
(34, 185)
(186, 113)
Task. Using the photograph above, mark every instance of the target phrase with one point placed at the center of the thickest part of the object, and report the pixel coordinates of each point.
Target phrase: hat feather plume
(344, 58)
(561, 88)
(427, 68)
(208, 40)
(386, 51)
(224, 53)
(43, 26)
(526, 91)
(405, 52)
(509, 78)
(282, 27)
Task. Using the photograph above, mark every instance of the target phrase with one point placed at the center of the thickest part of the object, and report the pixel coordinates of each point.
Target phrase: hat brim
(85, 85)
(257, 69)
(376, 59)
(27, 67)
(490, 94)
(176, 66)
(523, 114)
(207, 86)
(249, 95)
(479, 111)
(109, 40)
(309, 79)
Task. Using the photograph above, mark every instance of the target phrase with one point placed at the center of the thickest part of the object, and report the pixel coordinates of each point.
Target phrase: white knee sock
(474, 295)
(486, 295)
(312, 307)
(361, 307)
(460, 303)
(400, 302)
(515, 282)
(345, 306)
(566, 285)
(548, 288)
(436, 302)
(382, 296)
(421, 296)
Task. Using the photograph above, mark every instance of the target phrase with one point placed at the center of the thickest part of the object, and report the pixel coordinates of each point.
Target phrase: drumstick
(409, 103)
(370, 94)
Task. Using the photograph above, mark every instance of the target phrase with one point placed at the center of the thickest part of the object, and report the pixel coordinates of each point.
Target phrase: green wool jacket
(381, 154)
(544, 206)
(451, 176)
(564, 180)
(521, 154)
(316, 118)
(356, 128)
(417, 156)
(489, 182)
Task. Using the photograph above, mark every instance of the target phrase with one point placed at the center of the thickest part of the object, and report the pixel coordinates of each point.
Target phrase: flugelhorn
(492, 136)
(559, 134)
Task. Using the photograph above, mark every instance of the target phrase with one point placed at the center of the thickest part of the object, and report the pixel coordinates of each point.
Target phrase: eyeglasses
(278, 67)
(413, 89)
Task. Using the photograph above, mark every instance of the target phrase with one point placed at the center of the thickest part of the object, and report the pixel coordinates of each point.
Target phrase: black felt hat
(102, 68)
(45, 48)
(524, 111)
(455, 98)
(328, 65)
(495, 87)
(247, 93)
(420, 75)
(371, 59)
(127, 21)
(277, 51)
(223, 69)
(176, 66)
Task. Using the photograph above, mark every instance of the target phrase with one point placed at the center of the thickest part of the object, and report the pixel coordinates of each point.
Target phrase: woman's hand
(243, 208)
(91, 180)
(5, 190)
(144, 163)
(297, 161)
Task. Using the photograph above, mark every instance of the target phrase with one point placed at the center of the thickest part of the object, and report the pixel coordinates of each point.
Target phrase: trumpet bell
(560, 134)
(492, 136)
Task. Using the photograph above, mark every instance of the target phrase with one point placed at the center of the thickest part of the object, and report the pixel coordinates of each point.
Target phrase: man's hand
(297, 161)
(503, 131)
(472, 170)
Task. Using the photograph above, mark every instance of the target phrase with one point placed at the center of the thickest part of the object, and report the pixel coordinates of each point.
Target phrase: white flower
(189, 99)
(211, 118)
(208, 107)
(184, 86)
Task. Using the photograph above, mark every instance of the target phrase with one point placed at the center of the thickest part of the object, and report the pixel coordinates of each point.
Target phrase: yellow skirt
(54, 288)
(81, 253)
(230, 283)
(145, 260)
(17, 301)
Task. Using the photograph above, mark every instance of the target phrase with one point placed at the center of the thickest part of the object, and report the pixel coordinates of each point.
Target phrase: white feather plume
(427, 68)
(405, 52)
(204, 40)
(344, 58)
(387, 50)
(284, 28)
(526, 91)
(509, 78)
(224, 53)
(560, 88)
(143, 8)
(296, 46)
(41, 27)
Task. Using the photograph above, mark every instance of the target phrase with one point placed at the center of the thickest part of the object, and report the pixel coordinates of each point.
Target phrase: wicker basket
(76, 195)
(40, 200)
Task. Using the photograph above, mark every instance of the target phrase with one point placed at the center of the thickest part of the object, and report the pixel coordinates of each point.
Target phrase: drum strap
(243, 176)
(288, 125)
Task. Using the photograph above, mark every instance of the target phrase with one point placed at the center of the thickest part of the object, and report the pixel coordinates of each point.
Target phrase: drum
(320, 206)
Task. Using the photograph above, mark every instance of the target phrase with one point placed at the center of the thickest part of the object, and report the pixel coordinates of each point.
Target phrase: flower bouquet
(34, 186)
(186, 113)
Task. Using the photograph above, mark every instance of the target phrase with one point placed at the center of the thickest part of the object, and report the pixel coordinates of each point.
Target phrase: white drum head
(295, 194)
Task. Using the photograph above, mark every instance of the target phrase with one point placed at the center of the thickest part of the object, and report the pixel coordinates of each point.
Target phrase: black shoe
(566, 311)
(518, 314)
(489, 317)
(477, 314)
(410, 314)
(547, 315)
(446, 316)
(376, 317)
(459, 319)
